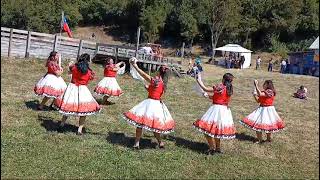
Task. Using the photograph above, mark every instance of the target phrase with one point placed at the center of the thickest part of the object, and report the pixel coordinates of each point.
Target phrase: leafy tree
(188, 24)
(153, 18)
(219, 16)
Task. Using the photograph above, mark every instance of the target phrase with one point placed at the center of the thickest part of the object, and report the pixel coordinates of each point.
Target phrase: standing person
(270, 65)
(51, 85)
(151, 114)
(265, 118)
(258, 63)
(217, 122)
(109, 86)
(77, 100)
(283, 66)
(241, 62)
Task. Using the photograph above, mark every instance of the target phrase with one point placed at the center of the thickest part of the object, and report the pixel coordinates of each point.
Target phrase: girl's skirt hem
(219, 136)
(134, 123)
(260, 129)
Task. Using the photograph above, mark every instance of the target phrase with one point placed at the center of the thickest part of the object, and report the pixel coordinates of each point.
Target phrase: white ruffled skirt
(77, 101)
(264, 119)
(50, 85)
(217, 122)
(108, 86)
(151, 115)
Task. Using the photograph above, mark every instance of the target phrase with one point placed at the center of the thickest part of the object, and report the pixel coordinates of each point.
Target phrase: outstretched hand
(256, 82)
(133, 61)
(71, 63)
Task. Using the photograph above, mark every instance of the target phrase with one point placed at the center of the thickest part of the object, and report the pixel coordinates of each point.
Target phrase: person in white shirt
(283, 66)
(258, 62)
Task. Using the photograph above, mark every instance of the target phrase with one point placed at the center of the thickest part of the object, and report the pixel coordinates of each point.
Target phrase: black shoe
(218, 151)
(136, 147)
(79, 133)
(257, 142)
(210, 152)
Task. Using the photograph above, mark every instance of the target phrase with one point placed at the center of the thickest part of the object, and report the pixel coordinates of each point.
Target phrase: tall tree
(153, 18)
(188, 23)
(218, 16)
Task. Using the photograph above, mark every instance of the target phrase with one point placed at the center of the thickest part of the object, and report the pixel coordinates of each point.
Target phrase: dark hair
(269, 85)
(108, 60)
(82, 64)
(301, 87)
(52, 56)
(227, 81)
(164, 73)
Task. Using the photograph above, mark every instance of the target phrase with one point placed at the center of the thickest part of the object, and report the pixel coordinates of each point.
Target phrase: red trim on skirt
(153, 123)
(214, 129)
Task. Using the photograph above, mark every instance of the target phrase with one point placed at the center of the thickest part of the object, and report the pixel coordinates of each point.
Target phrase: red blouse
(220, 95)
(268, 99)
(53, 67)
(156, 88)
(109, 72)
(81, 79)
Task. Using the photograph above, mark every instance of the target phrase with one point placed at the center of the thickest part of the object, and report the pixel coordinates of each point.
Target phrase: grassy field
(32, 148)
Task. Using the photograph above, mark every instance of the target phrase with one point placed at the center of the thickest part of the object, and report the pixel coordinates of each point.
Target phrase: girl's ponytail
(227, 81)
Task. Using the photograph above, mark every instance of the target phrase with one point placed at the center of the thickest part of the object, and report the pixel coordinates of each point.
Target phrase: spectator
(258, 63)
(242, 59)
(283, 66)
(301, 93)
(270, 65)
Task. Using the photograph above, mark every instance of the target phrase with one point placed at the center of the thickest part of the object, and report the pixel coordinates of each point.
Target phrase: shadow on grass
(192, 145)
(50, 125)
(53, 126)
(101, 103)
(244, 137)
(123, 140)
(34, 105)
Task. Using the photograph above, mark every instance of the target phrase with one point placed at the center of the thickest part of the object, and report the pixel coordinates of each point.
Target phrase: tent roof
(315, 44)
(233, 48)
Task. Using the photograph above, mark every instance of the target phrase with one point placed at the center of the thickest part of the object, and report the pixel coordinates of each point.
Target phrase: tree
(153, 19)
(188, 24)
(218, 16)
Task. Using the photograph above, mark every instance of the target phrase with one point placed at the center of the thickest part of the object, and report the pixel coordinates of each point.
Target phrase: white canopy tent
(238, 49)
(315, 44)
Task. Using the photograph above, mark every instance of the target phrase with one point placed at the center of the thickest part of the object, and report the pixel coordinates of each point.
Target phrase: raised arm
(142, 73)
(207, 89)
(259, 93)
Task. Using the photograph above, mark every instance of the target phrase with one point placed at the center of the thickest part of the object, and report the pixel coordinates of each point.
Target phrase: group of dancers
(152, 114)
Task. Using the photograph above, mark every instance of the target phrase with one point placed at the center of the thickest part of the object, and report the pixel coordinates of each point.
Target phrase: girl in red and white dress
(109, 86)
(50, 85)
(151, 114)
(77, 100)
(265, 118)
(217, 122)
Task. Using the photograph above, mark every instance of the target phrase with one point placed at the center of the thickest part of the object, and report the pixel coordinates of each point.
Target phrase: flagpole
(61, 24)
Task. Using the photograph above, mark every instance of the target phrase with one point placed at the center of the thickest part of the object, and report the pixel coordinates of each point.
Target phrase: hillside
(32, 148)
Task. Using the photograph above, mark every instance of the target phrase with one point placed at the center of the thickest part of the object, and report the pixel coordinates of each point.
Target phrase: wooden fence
(25, 44)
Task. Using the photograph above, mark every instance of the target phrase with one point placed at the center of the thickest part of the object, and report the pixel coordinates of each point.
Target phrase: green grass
(32, 148)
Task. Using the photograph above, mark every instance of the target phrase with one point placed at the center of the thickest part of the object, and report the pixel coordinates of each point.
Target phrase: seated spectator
(301, 93)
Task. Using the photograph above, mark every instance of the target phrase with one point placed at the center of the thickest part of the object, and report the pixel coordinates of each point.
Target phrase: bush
(278, 47)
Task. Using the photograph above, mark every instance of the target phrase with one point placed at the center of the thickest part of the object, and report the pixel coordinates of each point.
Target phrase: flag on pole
(65, 27)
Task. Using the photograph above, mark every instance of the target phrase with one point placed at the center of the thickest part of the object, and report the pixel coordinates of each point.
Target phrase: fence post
(27, 54)
(79, 49)
(10, 42)
(182, 50)
(149, 69)
(55, 42)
